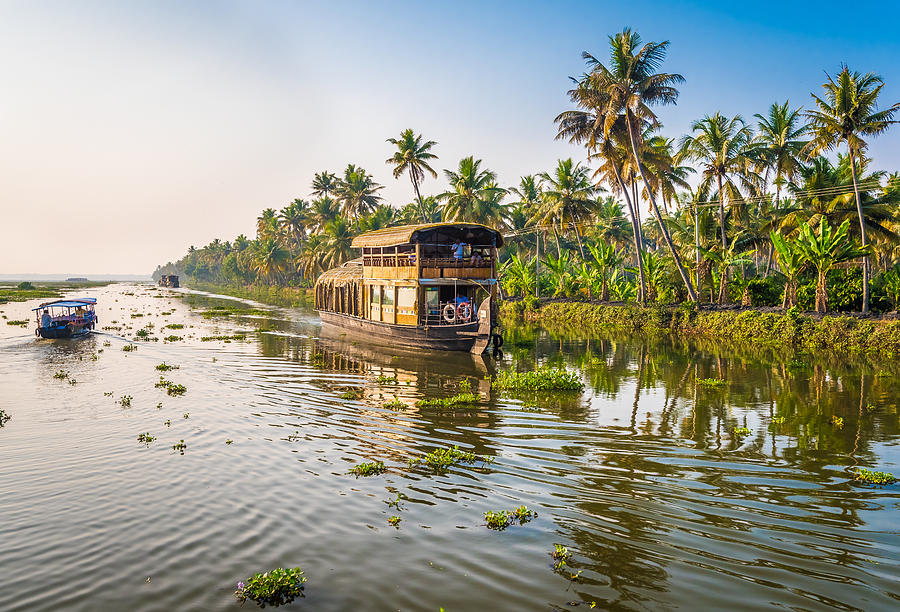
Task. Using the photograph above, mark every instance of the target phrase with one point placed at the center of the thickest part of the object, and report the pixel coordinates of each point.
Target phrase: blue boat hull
(69, 331)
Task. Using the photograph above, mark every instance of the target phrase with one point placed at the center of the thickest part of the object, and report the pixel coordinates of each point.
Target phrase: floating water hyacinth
(275, 588)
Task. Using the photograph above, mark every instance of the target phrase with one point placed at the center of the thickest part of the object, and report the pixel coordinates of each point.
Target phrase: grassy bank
(21, 292)
(277, 296)
(789, 329)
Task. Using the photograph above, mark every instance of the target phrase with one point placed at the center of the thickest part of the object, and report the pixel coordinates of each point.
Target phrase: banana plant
(792, 263)
(825, 248)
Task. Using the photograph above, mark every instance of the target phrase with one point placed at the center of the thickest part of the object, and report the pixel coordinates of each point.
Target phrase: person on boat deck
(79, 312)
(477, 258)
(46, 319)
(458, 249)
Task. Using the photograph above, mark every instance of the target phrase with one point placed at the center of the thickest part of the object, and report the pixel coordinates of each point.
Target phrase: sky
(132, 130)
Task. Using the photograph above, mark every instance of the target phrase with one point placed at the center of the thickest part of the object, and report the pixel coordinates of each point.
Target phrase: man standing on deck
(46, 319)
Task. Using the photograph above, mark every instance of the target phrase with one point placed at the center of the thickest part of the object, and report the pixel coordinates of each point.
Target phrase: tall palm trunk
(772, 246)
(722, 212)
(662, 226)
(578, 237)
(415, 182)
(862, 235)
(556, 235)
(638, 247)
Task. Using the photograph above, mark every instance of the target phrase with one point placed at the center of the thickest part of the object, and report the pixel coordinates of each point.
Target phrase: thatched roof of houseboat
(443, 233)
(348, 272)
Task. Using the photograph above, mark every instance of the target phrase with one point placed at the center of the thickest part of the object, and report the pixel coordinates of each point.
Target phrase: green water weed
(542, 379)
(275, 588)
(372, 468)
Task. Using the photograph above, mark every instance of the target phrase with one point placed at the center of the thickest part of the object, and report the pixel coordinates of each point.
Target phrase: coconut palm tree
(633, 85)
(270, 259)
(722, 147)
(825, 248)
(338, 237)
(322, 211)
(847, 113)
(293, 219)
(267, 224)
(567, 196)
(324, 184)
(357, 192)
(778, 147)
(412, 156)
(588, 126)
(474, 195)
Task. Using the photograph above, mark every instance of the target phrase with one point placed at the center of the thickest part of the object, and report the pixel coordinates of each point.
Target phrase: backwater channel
(641, 476)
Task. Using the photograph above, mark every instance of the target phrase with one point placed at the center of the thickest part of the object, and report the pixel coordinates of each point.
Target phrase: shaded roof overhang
(442, 233)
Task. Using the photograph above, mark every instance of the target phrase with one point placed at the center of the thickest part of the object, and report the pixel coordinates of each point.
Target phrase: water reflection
(642, 476)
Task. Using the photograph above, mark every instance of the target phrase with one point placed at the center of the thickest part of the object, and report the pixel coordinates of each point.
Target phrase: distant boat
(169, 280)
(77, 279)
(420, 286)
(65, 318)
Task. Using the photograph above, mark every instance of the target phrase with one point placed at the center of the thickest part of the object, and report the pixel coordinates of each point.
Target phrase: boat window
(433, 296)
(376, 294)
(406, 297)
(387, 297)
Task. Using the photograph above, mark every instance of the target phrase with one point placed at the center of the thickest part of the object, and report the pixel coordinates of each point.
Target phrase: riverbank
(277, 296)
(773, 329)
(21, 292)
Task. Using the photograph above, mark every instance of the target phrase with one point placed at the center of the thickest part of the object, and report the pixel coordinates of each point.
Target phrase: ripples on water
(640, 476)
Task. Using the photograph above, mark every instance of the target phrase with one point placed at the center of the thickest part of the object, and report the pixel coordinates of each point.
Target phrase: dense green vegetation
(789, 329)
(741, 211)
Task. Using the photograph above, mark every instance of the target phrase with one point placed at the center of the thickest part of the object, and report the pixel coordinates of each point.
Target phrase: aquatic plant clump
(129, 347)
(276, 587)
(146, 438)
(352, 394)
(741, 431)
(165, 367)
(61, 374)
(394, 521)
(372, 468)
(712, 382)
(543, 379)
(441, 459)
(873, 477)
(394, 404)
(501, 519)
(460, 399)
(4, 417)
(171, 387)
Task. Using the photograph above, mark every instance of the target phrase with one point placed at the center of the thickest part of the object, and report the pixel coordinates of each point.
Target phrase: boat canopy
(351, 271)
(434, 233)
(68, 303)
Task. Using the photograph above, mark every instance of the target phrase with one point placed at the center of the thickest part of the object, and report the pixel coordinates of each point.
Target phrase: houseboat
(419, 286)
(65, 318)
(169, 280)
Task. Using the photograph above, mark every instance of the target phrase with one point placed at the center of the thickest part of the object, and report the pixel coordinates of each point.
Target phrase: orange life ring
(464, 311)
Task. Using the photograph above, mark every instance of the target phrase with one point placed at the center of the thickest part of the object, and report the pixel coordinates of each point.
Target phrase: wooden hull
(439, 337)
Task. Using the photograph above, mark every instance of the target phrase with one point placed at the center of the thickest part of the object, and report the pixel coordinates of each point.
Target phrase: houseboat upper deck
(430, 285)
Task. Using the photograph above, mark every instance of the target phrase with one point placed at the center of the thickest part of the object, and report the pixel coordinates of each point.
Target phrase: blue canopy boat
(65, 318)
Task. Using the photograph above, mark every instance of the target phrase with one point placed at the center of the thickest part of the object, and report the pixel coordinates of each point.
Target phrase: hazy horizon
(133, 130)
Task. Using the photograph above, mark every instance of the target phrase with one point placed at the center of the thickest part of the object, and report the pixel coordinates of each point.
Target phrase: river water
(641, 476)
